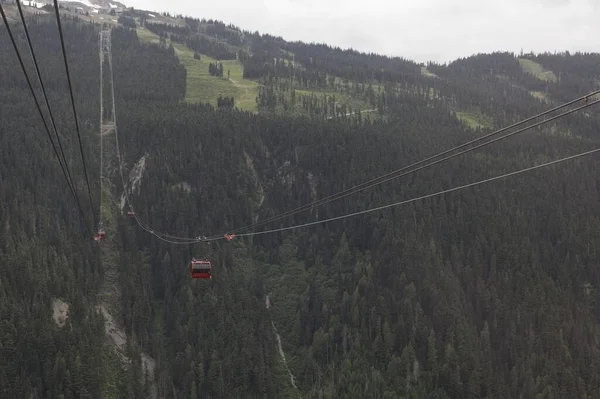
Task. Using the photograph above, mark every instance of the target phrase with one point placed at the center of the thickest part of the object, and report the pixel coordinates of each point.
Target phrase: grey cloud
(423, 30)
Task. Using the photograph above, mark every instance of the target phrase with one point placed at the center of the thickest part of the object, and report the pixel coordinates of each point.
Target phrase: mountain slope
(489, 292)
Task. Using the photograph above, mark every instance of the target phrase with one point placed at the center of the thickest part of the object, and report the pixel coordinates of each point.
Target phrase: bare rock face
(60, 312)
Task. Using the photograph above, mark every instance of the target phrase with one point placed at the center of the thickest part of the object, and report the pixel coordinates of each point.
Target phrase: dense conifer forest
(490, 292)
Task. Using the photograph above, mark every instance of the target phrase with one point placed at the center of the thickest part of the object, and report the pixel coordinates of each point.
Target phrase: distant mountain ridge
(493, 291)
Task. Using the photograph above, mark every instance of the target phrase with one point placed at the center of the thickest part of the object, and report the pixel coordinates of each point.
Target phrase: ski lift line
(120, 161)
(64, 52)
(187, 241)
(157, 235)
(393, 174)
(423, 196)
(489, 142)
(169, 238)
(161, 236)
(166, 237)
(114, 116)
(37, 104)
(42, 86)
(417, 198)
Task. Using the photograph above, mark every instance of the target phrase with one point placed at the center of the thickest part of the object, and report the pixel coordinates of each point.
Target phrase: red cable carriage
(201, 269)
(101, 234)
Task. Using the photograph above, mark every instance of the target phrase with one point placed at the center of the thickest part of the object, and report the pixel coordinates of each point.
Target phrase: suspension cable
(64, 52)
(191, 240)
(144, 226)
(395, 174)
(421, 197)
(187, 241)
(39, 76)
(120, 162)
(73, 192)
(392, 175)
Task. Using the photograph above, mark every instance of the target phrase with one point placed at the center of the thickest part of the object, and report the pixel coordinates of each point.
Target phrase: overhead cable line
(190, 240)
(398, 173)
(106, 54)
(64, 52)
(187, 241)
(39, 76)
(143, 225)
(166, 237)
(421, 197)
(175, 241)
(12, 39)
(392, 175)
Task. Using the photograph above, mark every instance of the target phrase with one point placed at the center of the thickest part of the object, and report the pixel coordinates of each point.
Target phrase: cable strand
(39, 76)
(215, 238)
(64, 52)
(185, 241)
(73, 192)
(423, 196)
(379, 180)
(394, 174)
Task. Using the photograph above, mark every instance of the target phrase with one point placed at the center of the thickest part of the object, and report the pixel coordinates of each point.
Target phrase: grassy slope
(426, 72)
(146, 36)
(201, 86)
(540, 95)
(537, 70)
(474, 120)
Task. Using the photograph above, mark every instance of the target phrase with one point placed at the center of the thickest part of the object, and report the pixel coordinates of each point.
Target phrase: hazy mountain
(486, 292)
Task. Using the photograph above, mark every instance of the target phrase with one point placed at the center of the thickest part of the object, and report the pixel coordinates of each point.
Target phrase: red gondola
(200, 269)
(101, 234)
(131, 214)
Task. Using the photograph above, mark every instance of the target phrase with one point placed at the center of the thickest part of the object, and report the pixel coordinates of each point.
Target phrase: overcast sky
(422, 30)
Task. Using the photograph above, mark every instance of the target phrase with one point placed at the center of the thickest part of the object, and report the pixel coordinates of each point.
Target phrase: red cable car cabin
(101, 234)
(200, 269)
(131, 214)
